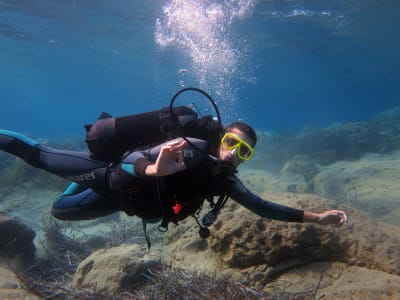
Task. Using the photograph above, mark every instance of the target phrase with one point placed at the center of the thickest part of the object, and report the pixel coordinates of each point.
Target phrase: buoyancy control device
(110, 137)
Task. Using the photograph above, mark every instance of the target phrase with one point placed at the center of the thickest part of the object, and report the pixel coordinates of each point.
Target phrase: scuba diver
(160, 166)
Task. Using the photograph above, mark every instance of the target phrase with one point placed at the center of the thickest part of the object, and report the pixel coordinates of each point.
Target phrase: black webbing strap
(144, 222)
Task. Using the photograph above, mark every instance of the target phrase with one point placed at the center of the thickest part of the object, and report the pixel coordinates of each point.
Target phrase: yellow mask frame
(232, 141)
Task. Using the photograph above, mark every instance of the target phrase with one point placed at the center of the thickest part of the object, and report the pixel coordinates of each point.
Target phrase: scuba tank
(110, 137)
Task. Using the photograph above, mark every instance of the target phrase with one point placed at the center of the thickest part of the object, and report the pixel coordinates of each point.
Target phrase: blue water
(276, 64)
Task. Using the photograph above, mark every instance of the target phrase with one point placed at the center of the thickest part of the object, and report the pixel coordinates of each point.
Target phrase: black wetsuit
(101, 188)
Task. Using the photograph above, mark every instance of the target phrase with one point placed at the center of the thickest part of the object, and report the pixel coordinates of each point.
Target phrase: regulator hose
(210, 99)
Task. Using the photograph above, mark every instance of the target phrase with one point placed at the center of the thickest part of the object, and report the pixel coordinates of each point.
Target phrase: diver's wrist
(150, 170)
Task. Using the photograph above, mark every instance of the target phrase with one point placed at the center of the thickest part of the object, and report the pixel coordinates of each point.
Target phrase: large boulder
(246, 247)
(10, 285)
(337, 281)
(115, 269)
(370, 184)
(16, 239)
(297, 174)
(16, 251)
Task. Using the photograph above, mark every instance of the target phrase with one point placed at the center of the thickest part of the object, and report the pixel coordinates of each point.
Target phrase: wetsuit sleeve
(261, 207)
(136, 162)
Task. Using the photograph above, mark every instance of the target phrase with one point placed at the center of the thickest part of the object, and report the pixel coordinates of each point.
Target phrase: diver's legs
(17, 144)
(71, 165)
(75, 204)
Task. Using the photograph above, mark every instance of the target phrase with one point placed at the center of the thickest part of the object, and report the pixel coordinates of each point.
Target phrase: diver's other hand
(334, 217)
(329, 217)
(169, 161)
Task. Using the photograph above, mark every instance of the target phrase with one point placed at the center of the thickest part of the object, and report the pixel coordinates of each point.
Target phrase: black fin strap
(144, 222)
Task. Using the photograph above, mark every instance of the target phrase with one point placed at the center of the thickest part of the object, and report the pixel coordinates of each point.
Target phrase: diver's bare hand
(169, 161)
(329, 217)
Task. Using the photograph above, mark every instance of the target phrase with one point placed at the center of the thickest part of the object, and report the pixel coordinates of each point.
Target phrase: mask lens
(230, 141)
(245, 152)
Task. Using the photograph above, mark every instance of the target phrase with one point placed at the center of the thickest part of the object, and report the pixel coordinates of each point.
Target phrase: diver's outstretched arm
(71, 165)
(275, 211)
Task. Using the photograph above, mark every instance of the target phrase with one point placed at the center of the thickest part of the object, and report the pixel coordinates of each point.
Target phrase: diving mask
(232, 141)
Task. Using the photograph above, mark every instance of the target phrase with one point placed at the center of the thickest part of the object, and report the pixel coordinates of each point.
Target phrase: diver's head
(237, 143)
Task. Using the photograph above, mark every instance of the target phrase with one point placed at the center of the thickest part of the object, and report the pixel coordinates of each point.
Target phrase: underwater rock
(115, 269)
(339, 142)
(16, 239)
(10, 285)
(16, 251)
(246, 247)
(361, 283)
(370, 184)
(297, 174)
(324, 146)
(301, 164)
(338, 281)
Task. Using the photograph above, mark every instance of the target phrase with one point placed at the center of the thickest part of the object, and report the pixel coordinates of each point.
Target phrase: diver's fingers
(342, 217)
(345, 218)
(175, 146)
(179, 145)
(181, 166)
(180, 157)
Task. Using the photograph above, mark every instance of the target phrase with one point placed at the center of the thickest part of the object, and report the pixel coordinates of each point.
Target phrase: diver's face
(231, 154)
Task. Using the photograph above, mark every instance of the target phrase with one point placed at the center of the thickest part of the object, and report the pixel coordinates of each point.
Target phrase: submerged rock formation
(370, 184)
(115, 269)
(245, 247)
(16, 252)
(16, 239)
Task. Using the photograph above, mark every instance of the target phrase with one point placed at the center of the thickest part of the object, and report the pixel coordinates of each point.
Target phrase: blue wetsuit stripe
(18, 136)
(71, 189)
(129, 168)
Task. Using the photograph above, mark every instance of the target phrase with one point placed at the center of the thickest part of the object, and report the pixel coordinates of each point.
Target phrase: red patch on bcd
(177, 208)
